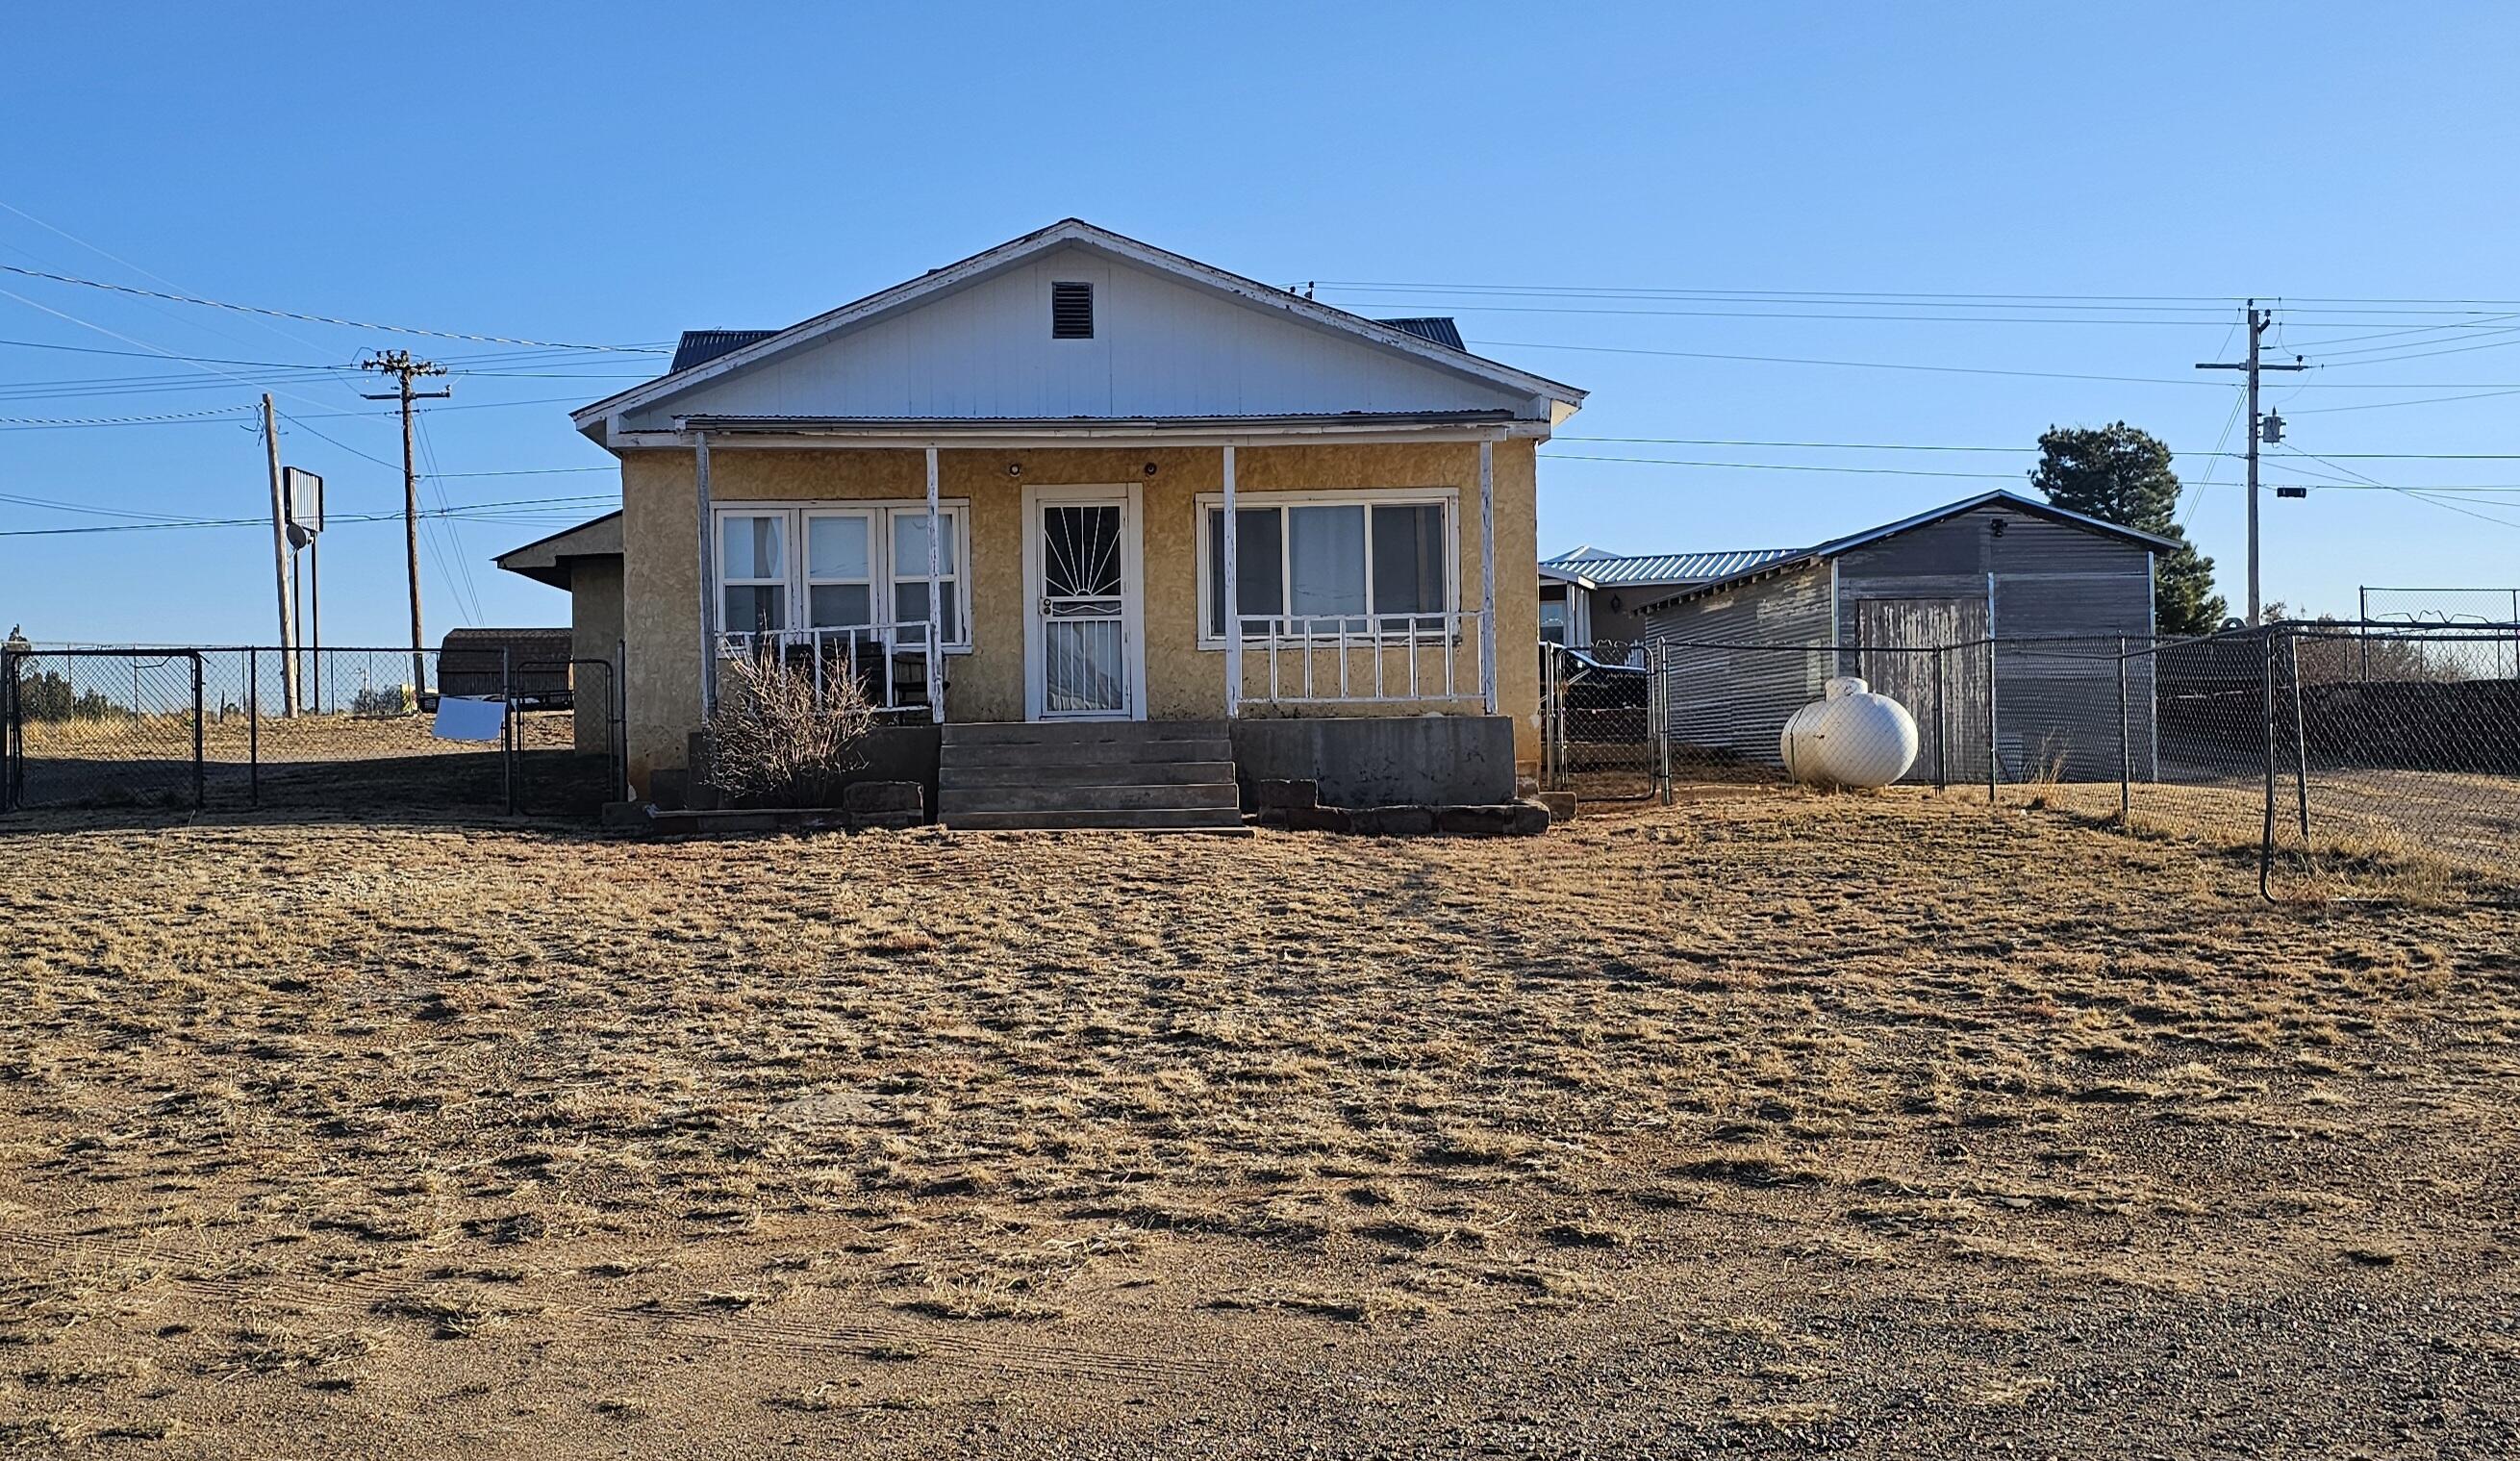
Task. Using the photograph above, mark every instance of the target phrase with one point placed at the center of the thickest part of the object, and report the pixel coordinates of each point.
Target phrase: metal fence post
(1942, 725)
(2300, 735)
(506, 726)
(2267, 723)
(200, 783)
(8, 730)
(2125, 748)
(253, 725)
(1659, 659)
(1993, 763)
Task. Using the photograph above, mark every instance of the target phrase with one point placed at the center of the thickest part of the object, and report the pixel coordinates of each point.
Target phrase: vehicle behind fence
(354, 736)
(2348, 757)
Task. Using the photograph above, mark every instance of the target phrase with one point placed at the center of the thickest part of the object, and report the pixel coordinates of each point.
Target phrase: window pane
(909, 607)
(840, 605)
(910, 542)
(755, 611)
(753, 548)
(1408, 558)
(1326, 563)
(1259, 552)
(836, 548)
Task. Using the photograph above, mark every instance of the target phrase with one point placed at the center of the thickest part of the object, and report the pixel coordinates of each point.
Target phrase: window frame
(726, 581)
(798, 584)
(1369, 498)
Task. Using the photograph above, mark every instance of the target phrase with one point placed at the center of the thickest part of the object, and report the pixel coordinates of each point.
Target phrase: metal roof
(699, 346)
(1611, 570)
(1437, 328)
(1822, 552)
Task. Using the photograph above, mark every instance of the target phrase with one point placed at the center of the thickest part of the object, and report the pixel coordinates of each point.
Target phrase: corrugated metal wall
(2060, 600)
(1744, 662)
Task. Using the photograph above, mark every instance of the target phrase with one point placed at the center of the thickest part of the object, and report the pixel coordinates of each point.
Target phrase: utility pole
(400, 365)
(2260, 427)
(280, 564)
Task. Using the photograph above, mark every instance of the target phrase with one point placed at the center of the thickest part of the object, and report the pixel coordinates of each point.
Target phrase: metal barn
(2000, 612)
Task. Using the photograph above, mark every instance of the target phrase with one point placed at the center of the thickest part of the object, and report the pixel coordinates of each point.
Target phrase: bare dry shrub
(777, 739)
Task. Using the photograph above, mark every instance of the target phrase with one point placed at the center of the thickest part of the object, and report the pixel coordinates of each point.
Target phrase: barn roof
(1613, 570)
(1777, 561)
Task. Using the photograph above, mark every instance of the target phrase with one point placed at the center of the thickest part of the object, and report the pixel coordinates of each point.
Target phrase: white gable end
(1161, 348)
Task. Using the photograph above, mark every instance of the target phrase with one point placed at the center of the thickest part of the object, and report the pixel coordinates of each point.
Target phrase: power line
(1972, 370)
(321, 319)
(2446, 456)
(484, 511)
(32, 422)
(2221, 301)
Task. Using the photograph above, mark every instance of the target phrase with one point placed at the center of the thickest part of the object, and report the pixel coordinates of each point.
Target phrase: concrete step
(1081, 732)
(1138, 819)
(1087, 752)
(1048, 798)
(963, 772)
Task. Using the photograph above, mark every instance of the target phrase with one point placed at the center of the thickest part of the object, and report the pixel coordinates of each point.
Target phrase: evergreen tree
(2121, 474)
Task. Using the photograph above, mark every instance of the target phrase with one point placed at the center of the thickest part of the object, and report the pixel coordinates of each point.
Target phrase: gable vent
(1071, 311)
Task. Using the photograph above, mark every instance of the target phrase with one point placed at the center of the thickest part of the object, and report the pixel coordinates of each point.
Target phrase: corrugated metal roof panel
(1610, 570)
(699, 346)
(1434, 328)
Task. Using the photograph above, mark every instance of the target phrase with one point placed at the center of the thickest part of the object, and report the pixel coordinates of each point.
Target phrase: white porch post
(1231, 596)
(709, 573)
(935, 603)
(1487, 576)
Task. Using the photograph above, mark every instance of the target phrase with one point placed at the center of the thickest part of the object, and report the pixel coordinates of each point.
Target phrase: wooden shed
(1999, 612)
(528, 666)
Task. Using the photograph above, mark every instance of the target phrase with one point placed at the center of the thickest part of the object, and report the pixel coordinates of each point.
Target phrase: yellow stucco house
(1007, 496)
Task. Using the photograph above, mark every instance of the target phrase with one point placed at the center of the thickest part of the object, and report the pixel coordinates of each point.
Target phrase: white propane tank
(1855, 737)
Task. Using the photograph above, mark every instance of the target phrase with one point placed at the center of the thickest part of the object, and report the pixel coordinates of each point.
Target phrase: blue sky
(613, 174)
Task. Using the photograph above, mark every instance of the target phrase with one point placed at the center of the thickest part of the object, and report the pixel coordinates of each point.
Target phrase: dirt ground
(1884, 1125)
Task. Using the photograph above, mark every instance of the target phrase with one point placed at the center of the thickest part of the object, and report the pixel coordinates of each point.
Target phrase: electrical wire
(484, 511)
(322, 319)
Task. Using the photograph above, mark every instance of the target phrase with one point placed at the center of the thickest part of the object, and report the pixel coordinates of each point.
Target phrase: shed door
(1946, 690)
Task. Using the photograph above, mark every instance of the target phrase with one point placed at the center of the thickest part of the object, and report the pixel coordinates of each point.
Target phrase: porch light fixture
(1151, 469)
(1014, 469)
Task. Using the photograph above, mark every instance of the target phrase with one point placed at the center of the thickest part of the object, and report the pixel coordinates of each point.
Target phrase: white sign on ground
(462, 717)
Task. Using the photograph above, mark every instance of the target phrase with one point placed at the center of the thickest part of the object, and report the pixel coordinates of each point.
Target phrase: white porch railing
(1361, 659)
(896, 665)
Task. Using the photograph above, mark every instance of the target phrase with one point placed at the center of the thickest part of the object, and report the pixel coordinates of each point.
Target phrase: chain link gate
(1603, 722)
(100, 728)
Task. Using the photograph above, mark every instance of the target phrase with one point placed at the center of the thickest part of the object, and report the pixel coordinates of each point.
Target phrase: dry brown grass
(1774, 1119)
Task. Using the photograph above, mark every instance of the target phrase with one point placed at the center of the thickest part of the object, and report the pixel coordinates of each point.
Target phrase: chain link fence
(2350, 760)
(215, 728)
(1599, 707)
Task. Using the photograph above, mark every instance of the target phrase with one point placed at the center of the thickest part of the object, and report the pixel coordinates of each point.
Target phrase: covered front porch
(1079, 573)
(1349, 598)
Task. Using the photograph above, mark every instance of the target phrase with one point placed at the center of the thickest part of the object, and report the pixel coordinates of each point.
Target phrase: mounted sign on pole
(301, 502)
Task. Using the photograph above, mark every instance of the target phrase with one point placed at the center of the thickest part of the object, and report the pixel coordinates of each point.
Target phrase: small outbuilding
(586, 562)
(1996, 620)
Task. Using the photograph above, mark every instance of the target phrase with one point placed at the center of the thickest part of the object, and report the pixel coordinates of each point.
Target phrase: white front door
(1084, 652)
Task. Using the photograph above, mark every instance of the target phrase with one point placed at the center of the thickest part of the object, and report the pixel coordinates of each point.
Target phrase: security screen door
(1084, 623)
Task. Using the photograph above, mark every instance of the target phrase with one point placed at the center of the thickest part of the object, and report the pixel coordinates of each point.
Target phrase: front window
(754, 571)
(1351, 562)
(909, 571)
(841, 565)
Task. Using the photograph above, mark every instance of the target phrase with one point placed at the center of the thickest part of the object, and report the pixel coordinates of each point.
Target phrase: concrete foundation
(1419, 760)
